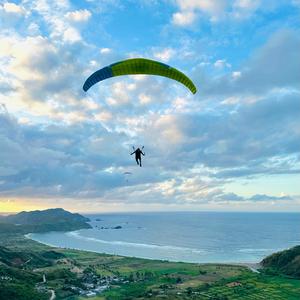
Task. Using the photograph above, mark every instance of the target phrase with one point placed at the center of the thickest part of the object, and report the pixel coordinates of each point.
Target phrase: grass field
(170, 280)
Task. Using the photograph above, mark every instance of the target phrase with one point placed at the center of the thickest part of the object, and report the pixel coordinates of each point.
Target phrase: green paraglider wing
(139, 66)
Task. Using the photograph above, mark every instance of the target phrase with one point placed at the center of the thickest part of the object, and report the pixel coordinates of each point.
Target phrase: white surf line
(130, 244)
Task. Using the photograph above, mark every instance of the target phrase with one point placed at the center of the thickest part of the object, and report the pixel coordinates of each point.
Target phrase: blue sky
(234, 146)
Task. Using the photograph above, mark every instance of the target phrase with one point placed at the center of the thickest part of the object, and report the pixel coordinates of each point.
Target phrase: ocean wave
(250, 250)
(77, 235)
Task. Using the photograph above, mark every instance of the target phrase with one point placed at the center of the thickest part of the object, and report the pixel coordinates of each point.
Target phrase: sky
(234, 146)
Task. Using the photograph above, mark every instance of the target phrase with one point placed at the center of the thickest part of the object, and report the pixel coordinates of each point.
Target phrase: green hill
(42, 221)
(285, 262)
(44, 216)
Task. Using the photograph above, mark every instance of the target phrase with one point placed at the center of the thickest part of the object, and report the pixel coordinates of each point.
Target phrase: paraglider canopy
(126, 175)
(139, 66)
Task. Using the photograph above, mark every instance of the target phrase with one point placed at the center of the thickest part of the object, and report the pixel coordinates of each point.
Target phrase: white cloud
(24, 55)
(246, 4)
(81, 15)
(90, 104)
(216, 10)
(12, 8)
(40, 73)
(103, 116)
(212, 7)
(33, 29)
(245, 8)
(144, 99)
(189, 9)
(120, 95)
(167, 130)
(180, 104)
(184, 18)
(55, 14)
(236, 74)
(105, 50)
(231, 101)
(222, 63)
(165, 54)
(71, 35)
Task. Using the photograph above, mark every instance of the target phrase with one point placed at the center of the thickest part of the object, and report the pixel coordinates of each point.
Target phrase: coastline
(84, 274)
(252, 266)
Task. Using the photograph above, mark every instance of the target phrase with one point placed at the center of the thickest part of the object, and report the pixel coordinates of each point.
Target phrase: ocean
(202, 237)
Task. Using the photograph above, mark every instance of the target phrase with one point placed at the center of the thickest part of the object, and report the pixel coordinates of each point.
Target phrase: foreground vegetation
(285, 262)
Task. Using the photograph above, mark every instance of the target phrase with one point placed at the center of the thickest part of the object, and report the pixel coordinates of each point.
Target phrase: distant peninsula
(56, 219)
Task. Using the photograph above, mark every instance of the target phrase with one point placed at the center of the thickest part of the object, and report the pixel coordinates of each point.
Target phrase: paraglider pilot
(138, 157)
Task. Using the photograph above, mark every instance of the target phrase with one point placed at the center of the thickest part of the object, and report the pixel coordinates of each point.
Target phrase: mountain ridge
(44, 216)
(54, 219)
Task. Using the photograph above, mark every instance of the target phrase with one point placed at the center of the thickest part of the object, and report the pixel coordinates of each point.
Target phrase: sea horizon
(87, 214)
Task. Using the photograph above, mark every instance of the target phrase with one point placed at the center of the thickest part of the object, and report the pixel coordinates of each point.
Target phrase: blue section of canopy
(99, 75)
